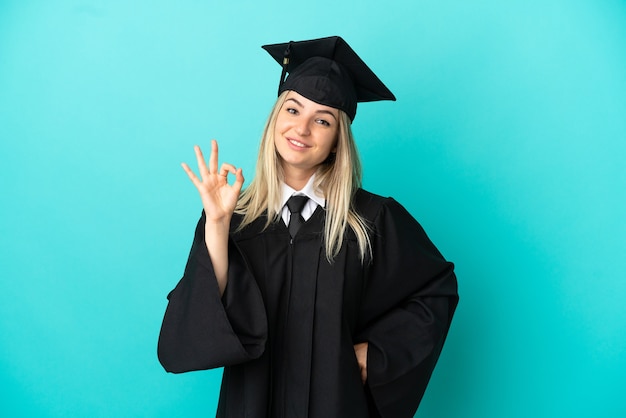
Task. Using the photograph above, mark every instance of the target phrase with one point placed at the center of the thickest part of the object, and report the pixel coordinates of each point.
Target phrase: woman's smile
(297, 144)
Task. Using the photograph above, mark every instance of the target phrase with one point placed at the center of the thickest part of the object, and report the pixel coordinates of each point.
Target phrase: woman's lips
(297, 143)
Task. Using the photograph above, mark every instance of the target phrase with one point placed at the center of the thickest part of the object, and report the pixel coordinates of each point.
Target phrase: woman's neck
(297, 179)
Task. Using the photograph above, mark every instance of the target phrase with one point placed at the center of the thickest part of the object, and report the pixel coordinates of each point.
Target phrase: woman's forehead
(294, 96)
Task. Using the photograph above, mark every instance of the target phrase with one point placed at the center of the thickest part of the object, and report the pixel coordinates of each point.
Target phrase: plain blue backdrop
(507, 143)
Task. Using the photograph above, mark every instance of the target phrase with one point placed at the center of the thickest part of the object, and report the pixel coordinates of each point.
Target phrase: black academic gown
(285, 328)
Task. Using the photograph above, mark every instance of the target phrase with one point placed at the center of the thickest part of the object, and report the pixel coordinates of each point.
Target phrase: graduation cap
(329, 72)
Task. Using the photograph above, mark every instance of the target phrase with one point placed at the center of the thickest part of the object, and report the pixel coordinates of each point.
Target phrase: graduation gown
(285, 328)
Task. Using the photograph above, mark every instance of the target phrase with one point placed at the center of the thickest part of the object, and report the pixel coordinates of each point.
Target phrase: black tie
(295, 205)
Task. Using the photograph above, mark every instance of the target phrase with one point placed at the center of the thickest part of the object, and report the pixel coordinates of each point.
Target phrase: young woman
(318, 298)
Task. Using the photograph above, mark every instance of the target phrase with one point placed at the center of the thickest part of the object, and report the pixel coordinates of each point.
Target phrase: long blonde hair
(338, 178)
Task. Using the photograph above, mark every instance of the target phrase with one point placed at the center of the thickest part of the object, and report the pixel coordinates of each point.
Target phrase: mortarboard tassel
(285, 64)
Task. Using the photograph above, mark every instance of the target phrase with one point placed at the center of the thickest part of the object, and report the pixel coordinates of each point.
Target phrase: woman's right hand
(218, 197)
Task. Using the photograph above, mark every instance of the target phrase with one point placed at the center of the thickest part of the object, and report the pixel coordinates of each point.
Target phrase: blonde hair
(338, 178)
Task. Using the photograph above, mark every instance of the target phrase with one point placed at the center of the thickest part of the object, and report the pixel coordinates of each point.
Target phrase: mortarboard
(329, 72)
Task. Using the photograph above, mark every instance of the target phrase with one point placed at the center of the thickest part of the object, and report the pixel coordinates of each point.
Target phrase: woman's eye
(292, 111)
(323, 122)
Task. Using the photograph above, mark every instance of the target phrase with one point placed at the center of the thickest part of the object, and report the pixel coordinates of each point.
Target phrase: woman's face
(305, 134)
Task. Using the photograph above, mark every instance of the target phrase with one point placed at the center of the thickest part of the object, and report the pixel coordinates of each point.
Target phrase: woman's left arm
(406, 312)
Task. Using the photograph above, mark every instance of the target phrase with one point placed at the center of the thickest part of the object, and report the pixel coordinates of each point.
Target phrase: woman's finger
(227, 168)
(201, 163)
(192, 176)
(238, 184)
(213, 157)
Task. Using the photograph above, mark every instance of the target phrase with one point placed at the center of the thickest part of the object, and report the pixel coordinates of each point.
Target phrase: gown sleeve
(202, 330)
(409, 301)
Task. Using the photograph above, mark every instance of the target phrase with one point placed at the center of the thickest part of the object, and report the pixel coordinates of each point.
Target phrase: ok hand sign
(218, 197)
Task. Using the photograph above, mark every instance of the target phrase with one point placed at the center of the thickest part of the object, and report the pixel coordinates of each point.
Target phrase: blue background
(507, 143)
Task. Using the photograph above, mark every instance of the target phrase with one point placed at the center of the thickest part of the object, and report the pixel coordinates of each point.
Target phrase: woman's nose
(303, 128)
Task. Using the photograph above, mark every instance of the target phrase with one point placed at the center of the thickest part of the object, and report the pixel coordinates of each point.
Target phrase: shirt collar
(308, 190)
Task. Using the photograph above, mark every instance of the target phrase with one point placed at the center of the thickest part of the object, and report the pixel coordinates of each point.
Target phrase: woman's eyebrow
(317, 111)
(294, 100)
(328, 112)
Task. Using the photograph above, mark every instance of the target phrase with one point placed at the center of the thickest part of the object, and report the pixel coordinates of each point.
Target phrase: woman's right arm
(219, 200)
(203, 326)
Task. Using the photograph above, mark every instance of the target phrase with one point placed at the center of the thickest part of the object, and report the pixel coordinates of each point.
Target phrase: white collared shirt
(314, 201)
